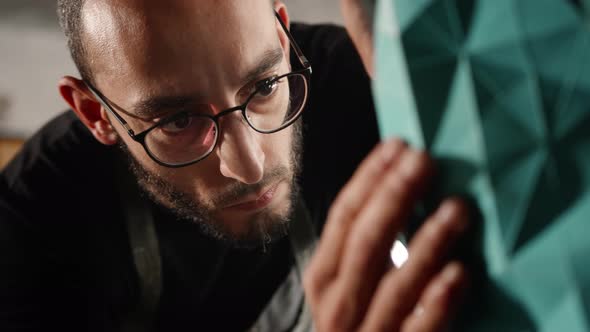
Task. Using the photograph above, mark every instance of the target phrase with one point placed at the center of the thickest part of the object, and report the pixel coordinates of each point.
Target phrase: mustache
(236, 190)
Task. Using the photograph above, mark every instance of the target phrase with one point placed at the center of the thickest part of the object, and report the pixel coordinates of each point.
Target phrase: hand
(350, 284)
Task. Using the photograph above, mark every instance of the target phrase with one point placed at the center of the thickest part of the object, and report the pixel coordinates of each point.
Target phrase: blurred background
(33, 56)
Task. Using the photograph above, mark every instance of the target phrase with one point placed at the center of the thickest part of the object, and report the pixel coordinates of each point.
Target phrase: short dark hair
(69, 13)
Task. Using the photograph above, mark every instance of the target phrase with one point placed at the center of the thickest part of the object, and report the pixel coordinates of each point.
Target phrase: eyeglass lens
(190, 137)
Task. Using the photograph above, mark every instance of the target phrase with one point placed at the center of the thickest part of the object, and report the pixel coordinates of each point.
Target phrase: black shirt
(65, 259)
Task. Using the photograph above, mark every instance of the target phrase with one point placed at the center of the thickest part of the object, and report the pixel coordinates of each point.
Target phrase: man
(165, 201)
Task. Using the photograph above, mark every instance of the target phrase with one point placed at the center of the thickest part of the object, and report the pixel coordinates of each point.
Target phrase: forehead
(151, 45)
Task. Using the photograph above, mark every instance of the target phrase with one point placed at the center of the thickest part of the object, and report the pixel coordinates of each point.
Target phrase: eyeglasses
(186, 138)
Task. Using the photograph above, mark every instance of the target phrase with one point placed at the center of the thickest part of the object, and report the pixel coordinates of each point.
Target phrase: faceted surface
(499, 92)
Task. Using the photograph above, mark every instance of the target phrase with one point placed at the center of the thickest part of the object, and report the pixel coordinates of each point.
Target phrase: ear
(88, 109)
(281, 9)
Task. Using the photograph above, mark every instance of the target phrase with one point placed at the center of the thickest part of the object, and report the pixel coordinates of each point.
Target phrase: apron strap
(146, 256)
(289, 300)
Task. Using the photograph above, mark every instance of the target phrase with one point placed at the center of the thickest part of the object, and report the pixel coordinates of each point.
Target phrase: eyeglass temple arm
(108, 107)
(298, 51)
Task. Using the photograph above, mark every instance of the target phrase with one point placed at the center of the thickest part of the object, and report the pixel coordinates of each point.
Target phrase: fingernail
(451, 273)
(419, 310)
(447, 212)
(449, 277)
(410, 163)
(452, 214)
(390, 150)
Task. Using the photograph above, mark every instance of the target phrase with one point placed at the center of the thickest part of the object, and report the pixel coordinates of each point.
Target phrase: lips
(255, 201)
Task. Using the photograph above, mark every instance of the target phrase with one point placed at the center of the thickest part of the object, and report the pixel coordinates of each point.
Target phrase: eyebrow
(268, 61)
(157, 106)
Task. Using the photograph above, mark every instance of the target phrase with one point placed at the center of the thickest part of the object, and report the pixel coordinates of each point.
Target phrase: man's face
(155, 58)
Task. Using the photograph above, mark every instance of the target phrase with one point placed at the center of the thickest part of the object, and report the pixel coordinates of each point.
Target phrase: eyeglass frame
(140, 137)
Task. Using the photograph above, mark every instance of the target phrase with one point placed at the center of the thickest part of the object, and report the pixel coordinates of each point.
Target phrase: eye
(267, 87)
(177, 125)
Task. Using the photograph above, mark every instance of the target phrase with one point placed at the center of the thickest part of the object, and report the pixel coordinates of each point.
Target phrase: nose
(240, 154)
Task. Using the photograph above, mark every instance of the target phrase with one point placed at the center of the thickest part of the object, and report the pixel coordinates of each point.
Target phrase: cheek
(136, 150)
(179, 178)
(198, 181)
(278, 147)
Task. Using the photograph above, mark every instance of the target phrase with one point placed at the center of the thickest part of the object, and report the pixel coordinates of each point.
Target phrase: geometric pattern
(499, 92)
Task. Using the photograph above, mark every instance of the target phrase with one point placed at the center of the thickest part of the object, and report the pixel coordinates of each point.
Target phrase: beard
(260, 230)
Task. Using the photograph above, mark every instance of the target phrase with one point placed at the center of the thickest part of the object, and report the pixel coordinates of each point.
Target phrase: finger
(440, 301)
(352, 197)
(399, 290)
(372, 236)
